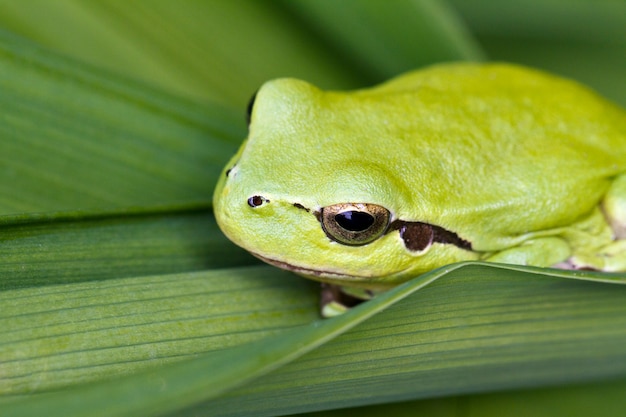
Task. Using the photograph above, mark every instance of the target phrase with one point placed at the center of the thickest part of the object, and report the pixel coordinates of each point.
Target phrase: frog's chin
(331, 277)
(309, 272)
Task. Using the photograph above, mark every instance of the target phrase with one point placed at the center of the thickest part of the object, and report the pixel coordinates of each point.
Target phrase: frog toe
(544, 252)
(611, 258)
(336, 300)
(614, 207)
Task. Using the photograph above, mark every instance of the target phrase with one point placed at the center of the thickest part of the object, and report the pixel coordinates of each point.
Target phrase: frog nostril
(257, 200)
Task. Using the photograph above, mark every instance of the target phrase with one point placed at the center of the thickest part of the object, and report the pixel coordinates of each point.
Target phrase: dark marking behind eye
(228, 171)
(418, 236)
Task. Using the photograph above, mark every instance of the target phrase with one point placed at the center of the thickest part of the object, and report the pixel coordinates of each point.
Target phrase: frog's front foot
(336, 300)
(611, 258)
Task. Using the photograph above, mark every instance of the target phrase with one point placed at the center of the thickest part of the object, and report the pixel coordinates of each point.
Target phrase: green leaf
(582, 39)
(74, 138)
(475, 328)
(220, 50)
(368, 33)
(106, 183)
(56, 248)
(66, 335)
(599, 400)
(534, 328)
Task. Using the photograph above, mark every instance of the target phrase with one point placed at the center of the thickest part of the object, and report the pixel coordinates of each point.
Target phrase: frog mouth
(314, 273)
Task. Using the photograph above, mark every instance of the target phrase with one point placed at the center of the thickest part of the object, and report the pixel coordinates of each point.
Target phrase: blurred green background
(116, 118)
(223, 50)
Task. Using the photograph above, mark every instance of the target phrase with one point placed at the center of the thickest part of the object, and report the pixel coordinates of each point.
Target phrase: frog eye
(354, 224)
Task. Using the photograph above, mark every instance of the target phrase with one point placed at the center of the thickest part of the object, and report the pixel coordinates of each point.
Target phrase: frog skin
(369, 188)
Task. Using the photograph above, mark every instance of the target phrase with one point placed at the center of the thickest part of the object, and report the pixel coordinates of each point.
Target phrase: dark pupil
(354, 221)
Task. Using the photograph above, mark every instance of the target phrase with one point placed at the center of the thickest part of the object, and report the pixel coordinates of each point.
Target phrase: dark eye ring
(354, 224)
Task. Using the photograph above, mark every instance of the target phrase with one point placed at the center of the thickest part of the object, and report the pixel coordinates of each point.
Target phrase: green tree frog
(366, 189)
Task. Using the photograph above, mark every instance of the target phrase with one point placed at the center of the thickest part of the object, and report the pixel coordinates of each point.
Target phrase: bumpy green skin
(527, 167)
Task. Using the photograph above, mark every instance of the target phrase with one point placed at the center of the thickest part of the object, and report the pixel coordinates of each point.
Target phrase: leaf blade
(193, 49)
(370, 34)
(63, 335)
(584, 40)
(60, 248)
(74, 138)
(523, 353)
(564, 332)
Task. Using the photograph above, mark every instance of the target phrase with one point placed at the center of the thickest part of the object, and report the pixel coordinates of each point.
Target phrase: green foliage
(118, 294)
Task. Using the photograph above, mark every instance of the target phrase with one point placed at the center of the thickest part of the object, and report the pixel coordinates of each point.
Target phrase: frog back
(499, 151)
